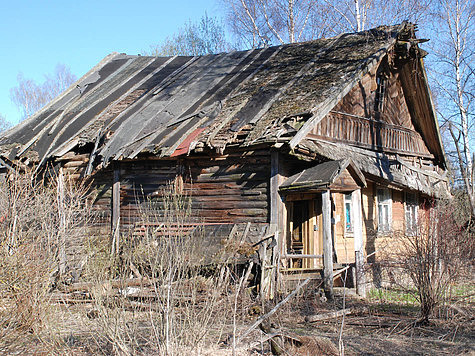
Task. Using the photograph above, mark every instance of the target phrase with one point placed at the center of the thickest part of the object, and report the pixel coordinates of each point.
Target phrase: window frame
(348, 202)
(411, 205)
(380, 95)
(384, 203)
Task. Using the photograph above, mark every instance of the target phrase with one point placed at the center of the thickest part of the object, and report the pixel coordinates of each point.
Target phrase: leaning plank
(330, 315)
(265, 316)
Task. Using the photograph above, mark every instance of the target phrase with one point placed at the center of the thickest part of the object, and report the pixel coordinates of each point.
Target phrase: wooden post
(358, 241)
(276, 203)
(62, 224)
(327, 245)
(116, 206)
(277, 208)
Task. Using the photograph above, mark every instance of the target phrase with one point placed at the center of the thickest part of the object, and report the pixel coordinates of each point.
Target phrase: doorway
(304, 231)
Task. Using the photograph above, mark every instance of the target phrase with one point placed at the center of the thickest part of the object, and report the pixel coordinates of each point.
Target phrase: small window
(348, 214)
(411, 211)
(381, 81)
(384, 210)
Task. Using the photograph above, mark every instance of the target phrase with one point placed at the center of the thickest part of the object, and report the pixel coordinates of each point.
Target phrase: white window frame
(385, 210)
(348, 203)
(411, 213)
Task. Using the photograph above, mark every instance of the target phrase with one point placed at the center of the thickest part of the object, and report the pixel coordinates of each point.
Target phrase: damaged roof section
(167, 106)
(322, 176)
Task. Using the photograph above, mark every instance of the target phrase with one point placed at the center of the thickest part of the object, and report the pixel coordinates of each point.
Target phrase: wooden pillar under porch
(327, 245)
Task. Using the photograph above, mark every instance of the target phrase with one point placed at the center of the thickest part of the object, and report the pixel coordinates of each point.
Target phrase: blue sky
(36, 35)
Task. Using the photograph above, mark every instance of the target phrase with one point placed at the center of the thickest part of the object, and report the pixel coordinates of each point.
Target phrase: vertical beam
(327, 245)
(116, 198)
(358, 241)
(276, 203)
(277, 211)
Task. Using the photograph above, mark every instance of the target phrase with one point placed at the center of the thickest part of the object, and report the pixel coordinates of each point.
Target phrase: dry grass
(156, 294)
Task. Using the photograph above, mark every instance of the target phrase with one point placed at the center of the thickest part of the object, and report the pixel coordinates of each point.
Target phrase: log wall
(234, 188)
(227, 189)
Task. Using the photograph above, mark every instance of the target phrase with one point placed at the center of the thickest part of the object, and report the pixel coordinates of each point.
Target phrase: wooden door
(305, 232)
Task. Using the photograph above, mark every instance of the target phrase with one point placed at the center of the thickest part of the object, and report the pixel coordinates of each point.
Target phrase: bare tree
(30, 96)
(258, 23)
(428, 261)
(196, 39)
(4, 124)
(358, 15)
(453, 78)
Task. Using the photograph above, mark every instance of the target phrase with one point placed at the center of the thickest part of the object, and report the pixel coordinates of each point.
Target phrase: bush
(432, 259)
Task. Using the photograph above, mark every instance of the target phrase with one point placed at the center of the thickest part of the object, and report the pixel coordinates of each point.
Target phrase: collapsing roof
(128, 105)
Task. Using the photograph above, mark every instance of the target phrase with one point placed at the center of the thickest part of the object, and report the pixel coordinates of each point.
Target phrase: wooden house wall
(144, 187)
(344, 243)
(232, 188)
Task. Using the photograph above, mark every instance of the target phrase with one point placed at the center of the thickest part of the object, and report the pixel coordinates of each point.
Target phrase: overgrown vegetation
(429, 262)
(159, 293)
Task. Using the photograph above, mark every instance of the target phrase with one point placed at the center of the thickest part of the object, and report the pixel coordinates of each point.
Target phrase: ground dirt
(375, 327)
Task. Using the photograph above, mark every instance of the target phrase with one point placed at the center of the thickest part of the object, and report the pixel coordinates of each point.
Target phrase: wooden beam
(358, 242)
(278, 213)
(327, 245)
(330, 315)
(276, 203)
(115, 197)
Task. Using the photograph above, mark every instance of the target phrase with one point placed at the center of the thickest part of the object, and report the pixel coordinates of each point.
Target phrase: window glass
(384, 210)
(411, 210)
(348, 214)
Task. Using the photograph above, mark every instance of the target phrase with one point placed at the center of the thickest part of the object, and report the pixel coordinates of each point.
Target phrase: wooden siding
(143, 183)
(224, 189)
(354, 120)
(101, 191)
(232, 189)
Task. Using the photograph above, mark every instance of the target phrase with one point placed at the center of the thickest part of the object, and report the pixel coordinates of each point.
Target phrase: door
(304, 237)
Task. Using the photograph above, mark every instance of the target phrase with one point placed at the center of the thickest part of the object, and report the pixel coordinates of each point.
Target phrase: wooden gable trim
(323, 108)
(421, 107)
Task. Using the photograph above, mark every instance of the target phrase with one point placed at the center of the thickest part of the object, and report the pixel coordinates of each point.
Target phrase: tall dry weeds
(184, 299)
(36, 226)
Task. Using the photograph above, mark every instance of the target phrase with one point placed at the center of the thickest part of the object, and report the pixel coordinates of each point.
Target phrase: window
(384, 210)
(348, 214)
(411, 208)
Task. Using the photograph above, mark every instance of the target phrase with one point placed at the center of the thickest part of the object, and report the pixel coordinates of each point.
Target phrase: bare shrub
(429, 261)
(182, 299)
(35, 225)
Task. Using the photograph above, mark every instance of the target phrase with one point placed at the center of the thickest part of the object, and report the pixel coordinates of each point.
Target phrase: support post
(327, 245)
(276, 203)
(62, 224)
(358, 241)
(277, 208)
(115, 207)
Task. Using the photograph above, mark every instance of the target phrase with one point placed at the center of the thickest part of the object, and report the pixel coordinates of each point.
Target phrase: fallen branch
(265, 316)
(330, 315)
(337, 272)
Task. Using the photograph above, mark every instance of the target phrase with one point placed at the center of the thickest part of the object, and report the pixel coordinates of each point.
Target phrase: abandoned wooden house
(329, 145)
